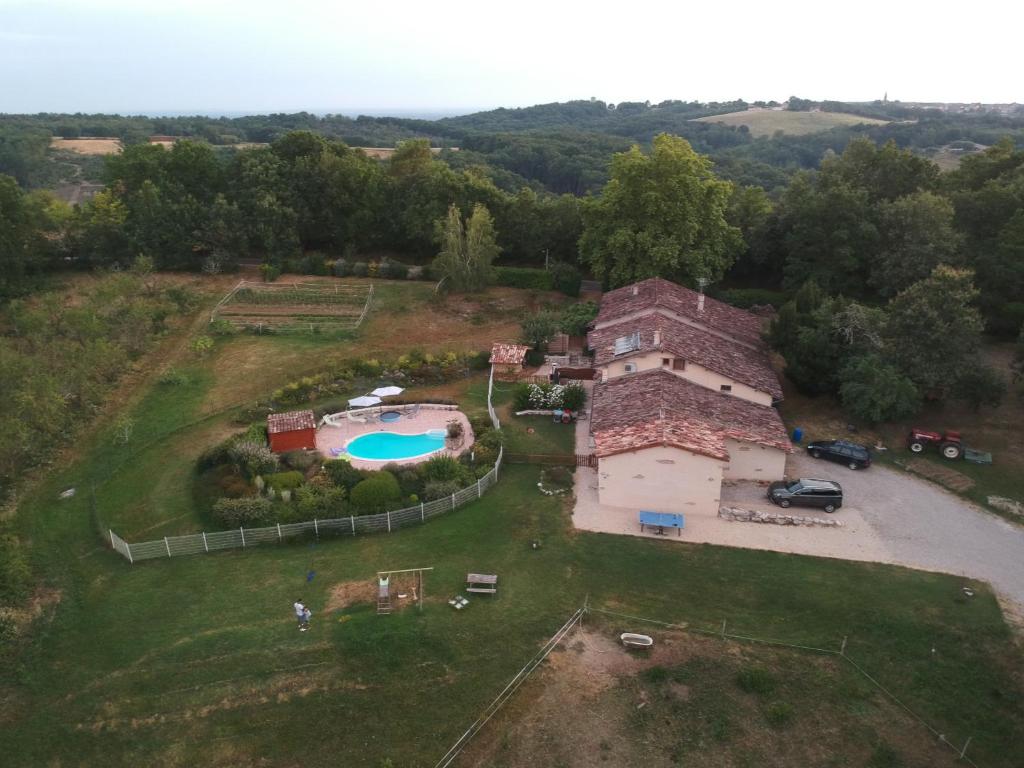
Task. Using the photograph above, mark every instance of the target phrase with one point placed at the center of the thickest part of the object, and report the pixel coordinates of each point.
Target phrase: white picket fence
(385, 522)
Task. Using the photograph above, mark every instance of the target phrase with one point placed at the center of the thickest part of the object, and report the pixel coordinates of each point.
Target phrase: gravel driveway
(923, 526)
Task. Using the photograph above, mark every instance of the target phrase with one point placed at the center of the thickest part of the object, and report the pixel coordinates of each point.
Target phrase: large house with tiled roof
(685, 399)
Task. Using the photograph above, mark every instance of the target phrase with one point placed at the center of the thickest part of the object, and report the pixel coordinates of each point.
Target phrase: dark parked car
(807, 492)
(852, 455)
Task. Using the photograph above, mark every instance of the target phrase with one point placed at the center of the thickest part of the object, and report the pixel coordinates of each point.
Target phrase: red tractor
(949, 443)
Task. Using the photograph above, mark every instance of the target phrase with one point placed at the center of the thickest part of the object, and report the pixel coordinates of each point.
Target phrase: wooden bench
(482, 582)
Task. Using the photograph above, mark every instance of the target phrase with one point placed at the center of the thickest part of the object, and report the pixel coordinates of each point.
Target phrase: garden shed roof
(508, 354)
(290, 421)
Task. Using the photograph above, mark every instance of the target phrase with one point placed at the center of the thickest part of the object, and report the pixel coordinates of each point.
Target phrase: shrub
(979, 385)
(172, 377)
(443, 469)
(300, 460)
(755, 680)
(236, 513)
(220, 327)
(524, 277)
(270, 272)
(343, 475)
(360, 269)
(576, 317)
(376, 493)
(252, 458)
(778, 714)
(395, 270)
(566, 278)
(439, 489)
(342, 268)
(556, 478)
(316, 501)
(281, 481)
(455, 428)
(574, 396)
(521, 393)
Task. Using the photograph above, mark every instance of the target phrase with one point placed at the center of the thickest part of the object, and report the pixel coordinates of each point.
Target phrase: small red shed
(292, 431)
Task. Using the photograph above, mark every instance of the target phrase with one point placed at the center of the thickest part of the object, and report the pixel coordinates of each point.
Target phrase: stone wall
(754, 516)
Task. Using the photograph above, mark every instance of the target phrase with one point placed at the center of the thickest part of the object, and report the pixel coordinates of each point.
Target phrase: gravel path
(923, 526)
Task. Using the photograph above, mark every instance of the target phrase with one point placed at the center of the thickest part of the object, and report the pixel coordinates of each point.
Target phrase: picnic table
(661, 521)
(482, 582)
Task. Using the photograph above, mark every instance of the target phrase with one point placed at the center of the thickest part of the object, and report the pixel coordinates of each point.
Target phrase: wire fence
(384, 522)
(577, 618)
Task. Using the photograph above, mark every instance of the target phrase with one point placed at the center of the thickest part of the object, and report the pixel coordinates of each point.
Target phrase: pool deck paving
(330, 437)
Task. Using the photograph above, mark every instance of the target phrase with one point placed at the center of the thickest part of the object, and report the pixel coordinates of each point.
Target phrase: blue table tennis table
(661, 521)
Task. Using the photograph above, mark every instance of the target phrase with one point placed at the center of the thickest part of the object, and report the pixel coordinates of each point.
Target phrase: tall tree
(660, 215)
(917, 234)
(467, 255)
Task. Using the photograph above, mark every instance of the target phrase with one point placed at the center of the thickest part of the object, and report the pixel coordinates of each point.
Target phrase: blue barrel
(798, 434)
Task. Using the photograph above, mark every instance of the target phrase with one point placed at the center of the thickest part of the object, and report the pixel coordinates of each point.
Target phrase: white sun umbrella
(363, 401)
(387, 391)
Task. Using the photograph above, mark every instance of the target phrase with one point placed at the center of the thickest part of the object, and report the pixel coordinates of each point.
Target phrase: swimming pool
(390, 446)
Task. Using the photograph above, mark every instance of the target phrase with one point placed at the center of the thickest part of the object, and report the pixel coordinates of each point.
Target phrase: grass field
(98, 146)
(197, 661)
(767, 122)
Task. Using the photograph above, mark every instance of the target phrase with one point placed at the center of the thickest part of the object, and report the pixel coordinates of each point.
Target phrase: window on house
(726, 387)
(678, 364)
(630, 367)
(625, 344)
(666, 361)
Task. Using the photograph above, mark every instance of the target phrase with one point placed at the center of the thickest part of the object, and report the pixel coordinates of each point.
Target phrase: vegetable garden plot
(294, 306)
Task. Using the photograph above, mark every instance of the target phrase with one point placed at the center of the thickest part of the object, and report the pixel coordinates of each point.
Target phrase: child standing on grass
(306, 613)
(300, 614)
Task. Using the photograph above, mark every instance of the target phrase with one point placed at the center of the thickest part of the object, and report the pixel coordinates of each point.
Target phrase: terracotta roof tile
(290, 421)
(655, 408)
(657, 294)
(737, 362)
(508, 354)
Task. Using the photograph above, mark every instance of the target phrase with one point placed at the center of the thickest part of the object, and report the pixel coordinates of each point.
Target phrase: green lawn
(196, 660)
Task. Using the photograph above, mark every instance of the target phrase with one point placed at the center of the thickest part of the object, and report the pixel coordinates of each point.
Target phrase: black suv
(807, 492)
(852, 455)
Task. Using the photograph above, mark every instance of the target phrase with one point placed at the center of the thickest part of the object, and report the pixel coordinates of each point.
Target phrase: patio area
(332, 438)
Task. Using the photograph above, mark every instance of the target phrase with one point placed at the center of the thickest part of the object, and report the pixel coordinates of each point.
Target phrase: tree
(538, 328)
(916, 235)
(467, 253)
(875, 391)
(978, 385)
(933, 330)
(576, 317)
(660, 215)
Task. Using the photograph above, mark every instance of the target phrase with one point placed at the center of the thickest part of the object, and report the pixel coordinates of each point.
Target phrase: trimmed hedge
(525, 277)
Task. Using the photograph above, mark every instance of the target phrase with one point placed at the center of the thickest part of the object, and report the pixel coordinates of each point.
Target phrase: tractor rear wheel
(951, 450)
(916, 446)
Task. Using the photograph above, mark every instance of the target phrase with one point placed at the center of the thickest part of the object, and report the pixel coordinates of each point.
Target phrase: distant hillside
(765, 122)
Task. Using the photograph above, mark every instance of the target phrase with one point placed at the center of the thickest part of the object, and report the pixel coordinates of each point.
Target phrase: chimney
(636, 289)
(657, 338)
(700, 303)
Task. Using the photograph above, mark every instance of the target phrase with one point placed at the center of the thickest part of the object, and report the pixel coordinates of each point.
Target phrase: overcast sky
(228, 56)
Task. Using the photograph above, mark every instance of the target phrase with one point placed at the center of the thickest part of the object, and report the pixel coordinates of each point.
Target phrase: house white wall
(698, 374)
(750, 461)
(661, 479)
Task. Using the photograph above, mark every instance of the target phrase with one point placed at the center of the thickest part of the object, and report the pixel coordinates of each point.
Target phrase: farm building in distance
(685, 400)
(507, 359)
(292, 431)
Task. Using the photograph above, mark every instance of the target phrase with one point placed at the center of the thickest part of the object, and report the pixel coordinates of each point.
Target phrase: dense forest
(856, 223)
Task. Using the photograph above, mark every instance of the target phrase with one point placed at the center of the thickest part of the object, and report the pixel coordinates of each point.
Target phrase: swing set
(385, 586)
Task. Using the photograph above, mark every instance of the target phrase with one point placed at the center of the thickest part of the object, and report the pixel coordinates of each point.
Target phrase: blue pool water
(388, 446)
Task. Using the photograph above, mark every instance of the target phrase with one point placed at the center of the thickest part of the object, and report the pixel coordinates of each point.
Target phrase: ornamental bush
(236, 513)
(252, 458)
(440, 489)
(574, 396)
(282, 481)
(444, 469)
(343, 475)
(376, 493)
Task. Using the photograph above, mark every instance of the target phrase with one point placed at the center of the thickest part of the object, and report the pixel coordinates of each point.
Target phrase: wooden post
(352, 522)
(167, 546)
(422, 516)
(279, 532)
(243, 536)
(479, 492)
(723, 629)
(453, 502)
(388, 513)
(128, 547)
(205, 545)
(316, 528)
(842, 648)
